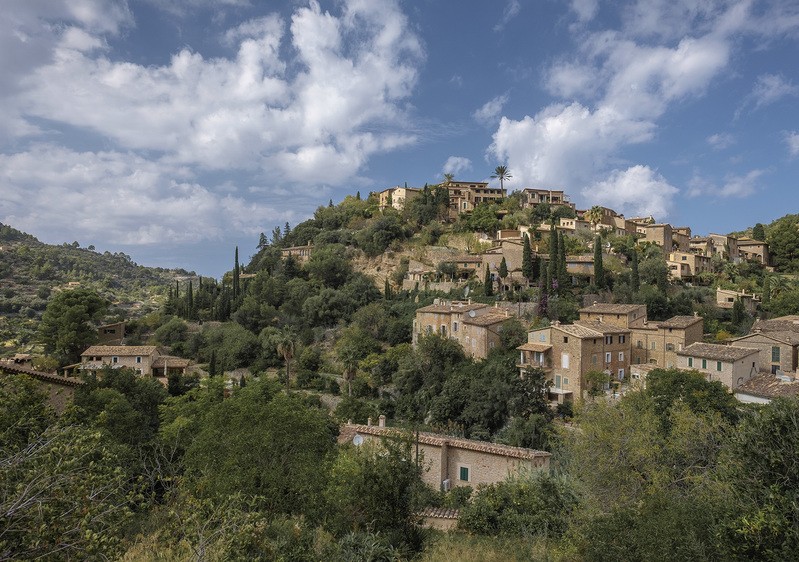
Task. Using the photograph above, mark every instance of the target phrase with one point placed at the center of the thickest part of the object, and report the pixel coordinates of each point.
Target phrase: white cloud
(511, 10)
(720, 141)
(585, 9)
(320, 123)
(119, 198)
(456, 164)
(637, 191)
(489, 112)
(770, 88)
(733, 185)
(792, 141)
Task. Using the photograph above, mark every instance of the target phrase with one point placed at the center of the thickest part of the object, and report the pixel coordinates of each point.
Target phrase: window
(653, 346)
(775, 354)
(565, 339)
(608, 340)
(621, 356)
(565, 381)
(621, 374)
(454, 326)
(557, 381)
(690, 361)
(542, 337)
(564, 360)
(718, 365)
(622, 339)
(704, 363)
(669, 347)
(607, 357)
(593, 358)
(114, 359)
(463, 473)
(138, 359)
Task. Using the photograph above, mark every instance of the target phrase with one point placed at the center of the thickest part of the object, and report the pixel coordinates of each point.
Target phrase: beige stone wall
(731, 375)
(788, 353)
(633, 318)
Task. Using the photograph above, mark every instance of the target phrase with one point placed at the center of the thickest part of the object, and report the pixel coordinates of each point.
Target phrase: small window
(454, 326)
(718, 365)
(115, 360)
(669, 347)
(564, 360)
(565, 339)
(621, 356)
(690, 361)
(565, 381)
(775, 354)
(463, 473)
(704, 363)
(653, 346)
(621, 374)
(593, 358)
(608, 340)
(607, 357)
(640, 344)
(622, 339)
(138, 359)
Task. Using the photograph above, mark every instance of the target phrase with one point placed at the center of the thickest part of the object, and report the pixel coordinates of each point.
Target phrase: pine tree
(527, 259)
(262, 241)
(488, 285)
(599, 269)
(286, 230)
(635, 278)
(330, 204)
(357, 195)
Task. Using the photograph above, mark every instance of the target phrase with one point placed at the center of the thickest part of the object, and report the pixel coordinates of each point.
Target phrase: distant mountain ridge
(31, 270)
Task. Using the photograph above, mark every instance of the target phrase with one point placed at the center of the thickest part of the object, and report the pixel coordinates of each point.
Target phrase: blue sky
(174, 130)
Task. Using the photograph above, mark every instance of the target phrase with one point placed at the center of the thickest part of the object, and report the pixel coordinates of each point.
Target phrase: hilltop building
(396, 197)
(146, 360)
(464, 196)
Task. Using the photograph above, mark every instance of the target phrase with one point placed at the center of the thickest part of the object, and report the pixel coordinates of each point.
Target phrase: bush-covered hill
(31, 270)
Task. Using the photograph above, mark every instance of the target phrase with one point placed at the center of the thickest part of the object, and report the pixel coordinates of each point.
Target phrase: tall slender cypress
(563, 275)
(527, 259)
(552, 266)
(488, 285)
(236, 287)
(635, 278)
(599, 269)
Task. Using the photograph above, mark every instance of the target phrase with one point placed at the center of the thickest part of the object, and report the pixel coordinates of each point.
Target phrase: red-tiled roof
(767, 385)
(680, 322)
(530, 346)
(609, 308)
(440, 512)
(717, 352)
(45, 377)
(119, 350)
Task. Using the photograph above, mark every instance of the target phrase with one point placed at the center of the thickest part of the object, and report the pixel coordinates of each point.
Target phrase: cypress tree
(358, 196)
(236, 287)
(330, 204)
(212, 364)
(766, 298)
(286, 230)
(759, 232)
(599, 269)
(387, 290)
(552, 266)
(488, 286)
(189, 301)
(503, 268)
(635, 277)
(527, 259)
(563, 275)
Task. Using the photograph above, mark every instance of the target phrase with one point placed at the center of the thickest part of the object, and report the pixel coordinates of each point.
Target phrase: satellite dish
(357, 440)
(472, 314)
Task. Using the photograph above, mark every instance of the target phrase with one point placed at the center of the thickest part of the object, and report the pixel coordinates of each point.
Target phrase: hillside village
(467, 330)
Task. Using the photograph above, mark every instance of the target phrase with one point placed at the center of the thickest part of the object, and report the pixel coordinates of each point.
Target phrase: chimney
(381, 421)
(696, 314)
(369, 421)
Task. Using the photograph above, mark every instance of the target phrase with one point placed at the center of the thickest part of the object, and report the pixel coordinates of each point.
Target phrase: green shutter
(464, 474)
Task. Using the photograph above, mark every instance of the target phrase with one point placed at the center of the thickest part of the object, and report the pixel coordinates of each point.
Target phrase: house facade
(145, 360)
(779, 351)
(396, 197)
(475, 326)
(464, 196)
(449, 462)
(729, 364)
(532, 198)
(754, 250)
(687, 265)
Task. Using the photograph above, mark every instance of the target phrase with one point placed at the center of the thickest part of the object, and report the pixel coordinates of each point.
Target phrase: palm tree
(594, 215)
(501, 173)
(448, 178)
(285, 348)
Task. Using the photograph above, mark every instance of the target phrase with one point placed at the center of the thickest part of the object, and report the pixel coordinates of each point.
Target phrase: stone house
(532, 198)
(512, 251)
(701, 245)
(732, 365)
(660, 234)
(475, 326)
(754, 250)
(300, 253)
(657, 343)
(687, 265)
(566, 352)
(111, 334)
(464, 196)
(779, 351)
(448, 462)
(146, 360)
(725, 246)
(681, 238)
(765, 387)
(725, 298)
(60, 389)
(396, 197)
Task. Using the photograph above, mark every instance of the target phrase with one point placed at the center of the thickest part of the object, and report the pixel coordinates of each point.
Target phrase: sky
(175, 130)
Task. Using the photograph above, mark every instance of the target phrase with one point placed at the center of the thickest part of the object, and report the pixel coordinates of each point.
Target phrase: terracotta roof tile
(440, 512)
(530, 346)
(717, 352)
(680, 322)
(603, 327)
(486, 319)
(348, 432)
(120, 350)
(608, 308)
(767, 385)
(577, 330)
